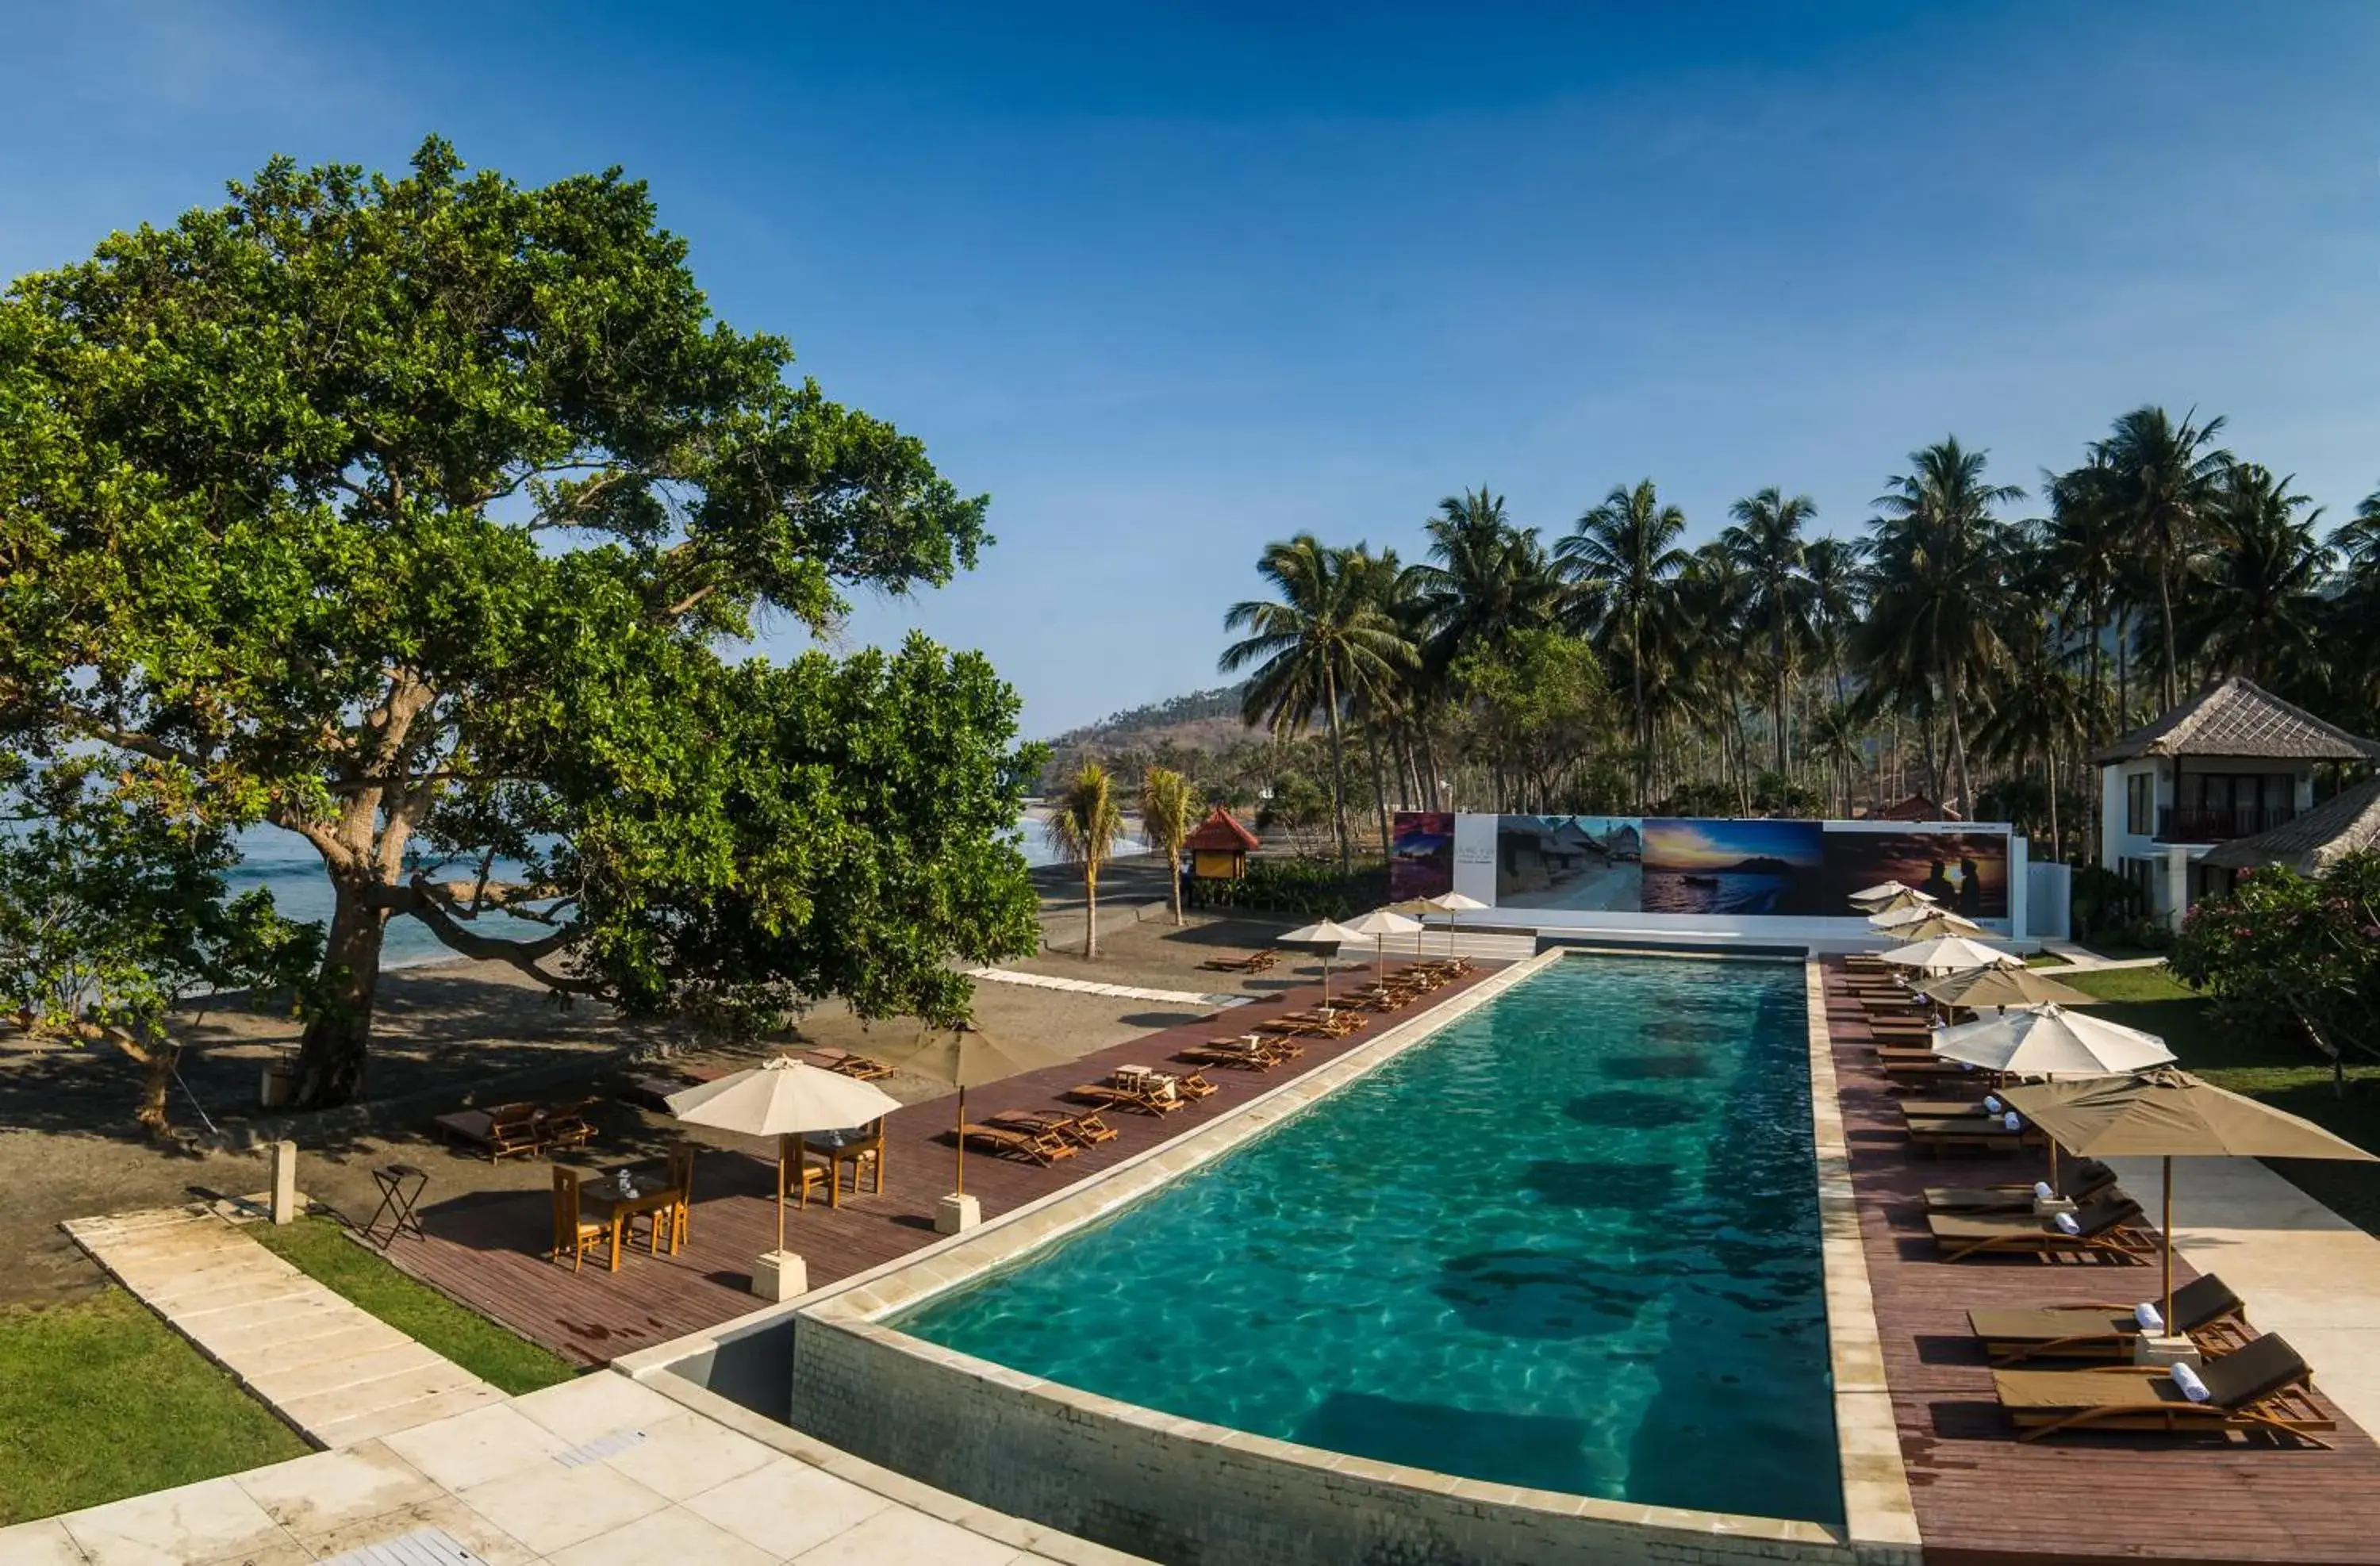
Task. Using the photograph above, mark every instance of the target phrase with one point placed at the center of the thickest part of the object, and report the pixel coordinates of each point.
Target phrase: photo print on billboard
(1966, 872)
(1749, 867)
(1421, 861)
(1590, 863)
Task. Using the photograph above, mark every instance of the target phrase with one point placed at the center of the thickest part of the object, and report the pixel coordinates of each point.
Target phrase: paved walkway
(339, 1375)
(599, 1472)
(1121, 991)
(2306, 1272)
(2082, 960)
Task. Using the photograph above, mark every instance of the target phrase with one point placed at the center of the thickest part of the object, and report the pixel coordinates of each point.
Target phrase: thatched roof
(2239, 717)
(1221, 832)
(2311, 841)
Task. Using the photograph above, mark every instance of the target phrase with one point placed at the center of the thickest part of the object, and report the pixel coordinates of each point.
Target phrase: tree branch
(428, 904)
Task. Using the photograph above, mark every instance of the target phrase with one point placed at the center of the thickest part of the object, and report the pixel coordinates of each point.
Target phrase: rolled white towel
(2146, 1315)
(2066, 1224)
(1966, 1065)
(1992, 1102)
(2042, 1192)
(2011, 1121)
(2187, 1380)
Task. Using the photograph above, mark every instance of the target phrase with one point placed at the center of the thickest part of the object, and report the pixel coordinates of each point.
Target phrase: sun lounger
(503, 1130)
(2204, 1309)
(848, 1064)
(1026, 1146)
(2079, 1179)
(1083, 1130)
(1936, 1133)
(1238, 1053)
(1193, 1085)
(1138, 1101)
(2263, 1388)
(1254, 962)
(2102, 1225)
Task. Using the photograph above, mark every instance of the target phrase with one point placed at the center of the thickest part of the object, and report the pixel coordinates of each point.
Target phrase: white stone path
(338, 1375)
(1212, 1003)
(598, 1471)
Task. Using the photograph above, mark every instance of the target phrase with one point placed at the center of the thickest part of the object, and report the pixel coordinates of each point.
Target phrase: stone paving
(339, 1376)
(599, 1472)
(1123, 991)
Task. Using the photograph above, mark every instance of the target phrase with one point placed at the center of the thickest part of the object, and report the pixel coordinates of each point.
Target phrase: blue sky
(1171, 281)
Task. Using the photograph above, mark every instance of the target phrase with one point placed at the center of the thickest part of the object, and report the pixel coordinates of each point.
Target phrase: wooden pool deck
(487, 1249)
(1981, 1495)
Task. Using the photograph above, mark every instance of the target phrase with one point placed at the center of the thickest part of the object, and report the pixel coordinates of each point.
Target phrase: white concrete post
(285, 1183)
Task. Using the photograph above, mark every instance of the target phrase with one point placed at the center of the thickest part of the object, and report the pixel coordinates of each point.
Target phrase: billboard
(1964, 871)
(1583, 862)
(1421, 860)
(1730, 866)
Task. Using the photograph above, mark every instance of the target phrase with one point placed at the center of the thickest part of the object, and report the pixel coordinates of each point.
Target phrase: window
(2140, 803)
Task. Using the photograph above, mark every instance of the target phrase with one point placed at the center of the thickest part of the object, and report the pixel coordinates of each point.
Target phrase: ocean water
(1733, 892)
(283, 865)
(1571, 1243)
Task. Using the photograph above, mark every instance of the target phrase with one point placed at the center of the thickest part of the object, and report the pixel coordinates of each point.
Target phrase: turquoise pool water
(1572, 1242)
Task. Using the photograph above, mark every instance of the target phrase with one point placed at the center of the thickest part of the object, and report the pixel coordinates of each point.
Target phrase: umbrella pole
(781, 1190)
(2168, 1246)
(961, 1190)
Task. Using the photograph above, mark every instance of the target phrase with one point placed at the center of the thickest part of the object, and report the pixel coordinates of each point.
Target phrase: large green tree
(429, 515)
(1622, 559)
(1766, 539)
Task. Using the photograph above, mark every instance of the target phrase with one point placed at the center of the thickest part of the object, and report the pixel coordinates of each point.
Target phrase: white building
(2233, 761)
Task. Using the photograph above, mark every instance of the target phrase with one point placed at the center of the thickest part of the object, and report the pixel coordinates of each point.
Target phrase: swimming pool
(1571, 1243)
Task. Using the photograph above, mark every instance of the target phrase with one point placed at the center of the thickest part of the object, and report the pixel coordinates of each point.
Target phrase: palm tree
(2036, 713)
(2256, 603)
(1082, 831)
(1622, 559)
(2164, 478)
(1767, 541)
(1323, 640)
(1487, 578)
(1169, 808)
(1710, 665)
(1941, 582)
(2084, 557)
(1836, 573)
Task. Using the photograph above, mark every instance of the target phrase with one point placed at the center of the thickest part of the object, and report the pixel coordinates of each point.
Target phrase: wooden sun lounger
(1223, 1055)
(1026, 1146)
(1254, 962)
(1937, 1133)
(2203, 1309)
(2103, 1223)
(845, 1063)
(1108, 1096)
(503, 1130)
(2079, 1180)
(2263, 1388)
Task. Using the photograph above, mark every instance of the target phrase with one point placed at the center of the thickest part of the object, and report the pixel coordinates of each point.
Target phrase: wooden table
(602, 1200)
(851, 1151)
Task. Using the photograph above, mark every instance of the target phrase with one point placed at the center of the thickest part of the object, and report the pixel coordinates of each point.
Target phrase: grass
(2284, 1073)
(99, 1400)
(320, 1248)
(2045, 960)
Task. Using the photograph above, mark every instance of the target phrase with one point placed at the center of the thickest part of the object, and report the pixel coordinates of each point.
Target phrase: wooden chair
(866, 1156)
(801, 1174)
(681, 1177)
(572, 1233)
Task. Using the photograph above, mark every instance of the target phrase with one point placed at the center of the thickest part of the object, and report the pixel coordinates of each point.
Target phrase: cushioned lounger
(2204, 1306)
(2101, 1223)
(2079, 1179)
(2264, 1386)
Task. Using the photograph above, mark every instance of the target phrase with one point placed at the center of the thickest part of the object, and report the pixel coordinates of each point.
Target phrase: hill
(1203, 721)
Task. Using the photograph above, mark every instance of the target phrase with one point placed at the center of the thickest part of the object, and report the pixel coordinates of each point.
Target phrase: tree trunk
(2172, 664)
(2050, 770)
(1644, 729)
(1777, 651)
(1338, 772)
(1430, 789)
(1173, 867)
(1379, 784)
(1959, 755)
(2094, 831)
(1091, 908)
(332, 1052)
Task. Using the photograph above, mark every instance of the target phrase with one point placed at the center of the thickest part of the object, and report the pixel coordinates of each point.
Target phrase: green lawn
(99, 1400)
(319, 1247)
(2282, 1073)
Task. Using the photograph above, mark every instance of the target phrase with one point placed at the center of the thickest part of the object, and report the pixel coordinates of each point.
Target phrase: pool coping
(1879, 1513)
(1880, 1518)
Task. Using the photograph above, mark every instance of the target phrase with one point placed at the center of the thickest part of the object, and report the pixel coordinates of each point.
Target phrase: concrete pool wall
(1181, 1490)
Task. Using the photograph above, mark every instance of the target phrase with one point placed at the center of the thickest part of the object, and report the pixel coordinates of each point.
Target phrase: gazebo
(1220, 847)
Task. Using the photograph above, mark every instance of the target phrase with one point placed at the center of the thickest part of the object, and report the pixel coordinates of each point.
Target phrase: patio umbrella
(1977, 988)
(1452, 902)
(967, 1057)
(1917, 915)
(1382, 923)
(1933, 926)
(1950, 953)
(782, 1098)
(2049, 1040)
(2167, 1113)
(1888, 896)
(1325, 936)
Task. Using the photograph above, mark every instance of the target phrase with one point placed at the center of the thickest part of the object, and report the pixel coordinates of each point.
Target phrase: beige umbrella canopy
(2167, 1113)
(1327, 935)
(2050, 1042)
(1948, 954)
(1451, 903)
(1915, 915)
(965, 1057)
(1976, 988)
(1382, 923)
(1935, 924)
(781, 1099)
(1890, 896)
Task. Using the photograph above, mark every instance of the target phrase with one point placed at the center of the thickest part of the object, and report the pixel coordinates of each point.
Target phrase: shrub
(2286, 954)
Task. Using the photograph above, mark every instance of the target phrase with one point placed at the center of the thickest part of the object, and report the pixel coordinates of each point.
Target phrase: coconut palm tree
(2166, 476)
(2084, 553)
(1169, 808)
(2255, 604)
(1836, 573)
(1325, 638)
(1082, 830)
(2035, 712)
(1622, 561)
(1767, 542)
(1486, 579)
(1941, 583)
